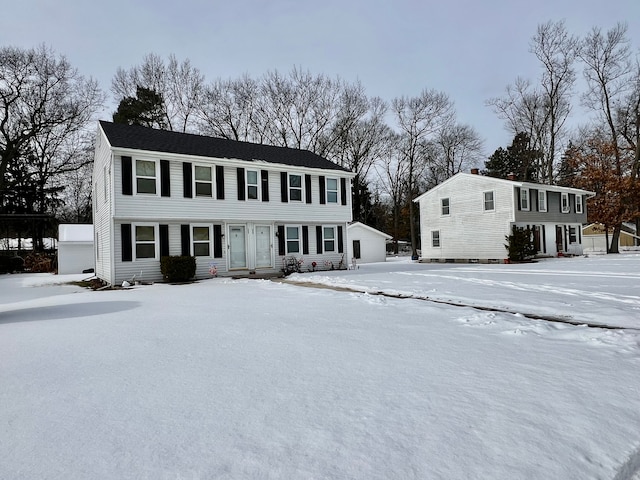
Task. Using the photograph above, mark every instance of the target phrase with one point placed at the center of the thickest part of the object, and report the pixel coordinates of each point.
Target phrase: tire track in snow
(533, 316)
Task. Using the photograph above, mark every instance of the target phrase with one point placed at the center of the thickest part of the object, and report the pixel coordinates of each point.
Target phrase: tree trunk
(613, 248)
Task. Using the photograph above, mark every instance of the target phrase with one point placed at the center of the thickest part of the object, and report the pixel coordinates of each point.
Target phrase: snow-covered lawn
(257, 379)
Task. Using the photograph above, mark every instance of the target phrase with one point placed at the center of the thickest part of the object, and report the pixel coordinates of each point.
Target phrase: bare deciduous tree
(454, 148)
(417, 119)
(608, 73)
(180, 85)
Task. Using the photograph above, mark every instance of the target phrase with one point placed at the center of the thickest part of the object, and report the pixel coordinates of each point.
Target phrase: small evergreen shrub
(178, 268)
(520, 244)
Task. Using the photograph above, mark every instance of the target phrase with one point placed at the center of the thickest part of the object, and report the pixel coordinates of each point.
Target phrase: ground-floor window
(329, 239)
(356, 249)
(145, 241)
(292, 236)
(201, 241)
(435, 238)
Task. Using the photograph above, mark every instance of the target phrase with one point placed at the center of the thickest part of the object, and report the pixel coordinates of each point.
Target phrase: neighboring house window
(573, 235)
(201, 241)
(565, 202)
(145, 241)
(203, 181)
(292, 238)
(435, 238)
(542, 201)
(578, 203)
(332, 190)
(329, 239)
(145, 176)
(444, 206)
(524, 199)
(295, 188)
(252, 184)
(488, 201)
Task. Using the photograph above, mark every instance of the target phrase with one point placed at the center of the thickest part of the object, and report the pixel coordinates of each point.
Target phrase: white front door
(237, 246)
(263, 246)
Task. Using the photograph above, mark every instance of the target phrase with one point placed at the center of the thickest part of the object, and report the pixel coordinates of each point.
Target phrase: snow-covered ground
(257, 379)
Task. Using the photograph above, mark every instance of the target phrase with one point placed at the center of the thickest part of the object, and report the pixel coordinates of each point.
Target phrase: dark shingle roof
(144, 138)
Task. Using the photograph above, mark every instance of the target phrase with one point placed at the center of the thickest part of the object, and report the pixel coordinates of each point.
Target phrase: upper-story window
(489, 203)
(203, 179)
(295, 187)
(332, 190)
(565, 202)
(524, 199)
(252, 184)
(444, 206)
(578, 203)
(542, 201)
(292, 238)
(146, 176)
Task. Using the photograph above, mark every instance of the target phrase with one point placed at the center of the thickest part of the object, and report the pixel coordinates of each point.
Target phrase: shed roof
(164, 141)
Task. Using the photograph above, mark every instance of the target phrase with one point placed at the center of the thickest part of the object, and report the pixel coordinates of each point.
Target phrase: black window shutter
(164, 240)
(340, 247)
(185, 237)
(264, 176)
(127, 176)
(307, 188)
(305, 240)
(284, 194)
(217, 241)
(281, 249)
(323, 192)
(125, 234)
(186, 180)
(319, 239)
(219, 182)
(165, 184)
(343, 191)
(240, 183)
(519, 200)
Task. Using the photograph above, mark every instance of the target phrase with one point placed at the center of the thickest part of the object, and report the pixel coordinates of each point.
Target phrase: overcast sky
(469, 49)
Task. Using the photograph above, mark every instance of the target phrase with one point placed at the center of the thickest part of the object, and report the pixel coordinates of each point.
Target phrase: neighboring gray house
(75, 248)
(236, 206)
(467, 217)
(366, 244)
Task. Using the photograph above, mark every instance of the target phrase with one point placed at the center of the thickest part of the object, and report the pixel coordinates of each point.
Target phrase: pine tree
(145, 109)
(519, 159)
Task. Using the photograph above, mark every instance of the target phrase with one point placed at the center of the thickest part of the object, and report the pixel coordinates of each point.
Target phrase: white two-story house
(238, 207)
(468, 216)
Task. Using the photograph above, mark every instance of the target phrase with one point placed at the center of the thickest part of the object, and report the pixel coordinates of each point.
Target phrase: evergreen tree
(145, 109)
(519, 159)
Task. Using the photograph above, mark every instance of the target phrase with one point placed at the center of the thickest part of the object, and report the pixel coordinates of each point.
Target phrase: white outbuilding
(75, 248)
(366, 244)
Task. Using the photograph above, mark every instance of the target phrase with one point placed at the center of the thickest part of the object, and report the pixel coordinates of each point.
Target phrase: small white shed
(366, 244)
(75, 248)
